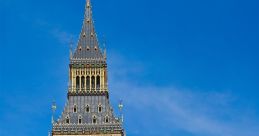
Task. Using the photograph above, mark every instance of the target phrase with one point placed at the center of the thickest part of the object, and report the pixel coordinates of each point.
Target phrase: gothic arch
(106, 119)
(75, 109)
(77, 83)
(94, 119)
(79, 119)
(87, 108)
(93, 82)
(100, 108)
(82, 83)
(67, 119)
(87, 82)
(98, 84)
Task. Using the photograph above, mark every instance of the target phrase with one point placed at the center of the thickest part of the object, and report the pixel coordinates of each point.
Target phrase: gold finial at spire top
(88, 3)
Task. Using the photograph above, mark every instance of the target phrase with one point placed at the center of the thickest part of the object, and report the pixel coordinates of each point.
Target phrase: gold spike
(88, 3)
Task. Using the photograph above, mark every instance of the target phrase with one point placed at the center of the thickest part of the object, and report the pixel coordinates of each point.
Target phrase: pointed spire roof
(88, 46)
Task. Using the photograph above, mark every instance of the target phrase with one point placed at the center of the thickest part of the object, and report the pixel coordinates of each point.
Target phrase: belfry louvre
(88, 111)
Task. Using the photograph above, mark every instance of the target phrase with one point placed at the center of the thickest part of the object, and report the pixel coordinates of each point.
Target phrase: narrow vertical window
(87, 82)
(80, 120)
(93, 82)
(82, 82)
(87, 108)
(67, 120)
(106, 119)
(99, 108)
(98, 82)
(75, 109)
(77, 83)
(94, 120)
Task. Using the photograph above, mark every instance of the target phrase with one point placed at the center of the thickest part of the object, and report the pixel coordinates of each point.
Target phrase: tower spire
(88, 111)
(88, 46)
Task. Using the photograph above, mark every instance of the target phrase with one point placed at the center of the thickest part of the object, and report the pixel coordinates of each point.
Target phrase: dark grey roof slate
(81, 102)
(88, 46)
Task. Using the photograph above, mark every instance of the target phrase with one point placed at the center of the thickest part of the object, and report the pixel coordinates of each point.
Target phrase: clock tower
(87, 111)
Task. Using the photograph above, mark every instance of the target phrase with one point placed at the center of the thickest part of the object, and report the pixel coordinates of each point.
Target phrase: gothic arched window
(82, 82)
(67, 120)
(87, 108)
(87, 82)
(80, 120)
(94, 120)
(98, 82)
(106, 119)
(100, 108)
(77, 83)
(93, 82)
(75, 109)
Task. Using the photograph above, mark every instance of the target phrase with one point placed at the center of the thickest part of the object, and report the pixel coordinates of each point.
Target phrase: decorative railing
(74, 89)
(86, 128)
(89, 61)
(87, 92)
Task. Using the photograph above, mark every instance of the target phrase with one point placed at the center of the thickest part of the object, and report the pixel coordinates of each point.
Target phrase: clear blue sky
(182, 67)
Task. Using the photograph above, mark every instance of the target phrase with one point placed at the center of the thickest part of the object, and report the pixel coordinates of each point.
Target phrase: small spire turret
(70, 50)
(120, 109)
(53, 108)
(104, 48)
